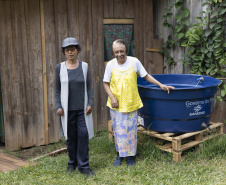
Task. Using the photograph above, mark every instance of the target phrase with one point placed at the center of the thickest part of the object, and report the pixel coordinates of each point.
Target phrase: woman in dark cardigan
(74, 99)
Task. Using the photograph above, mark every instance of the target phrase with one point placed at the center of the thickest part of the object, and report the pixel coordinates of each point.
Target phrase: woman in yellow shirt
(120, 83)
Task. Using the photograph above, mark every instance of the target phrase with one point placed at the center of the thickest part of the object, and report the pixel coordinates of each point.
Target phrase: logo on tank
(198, 108)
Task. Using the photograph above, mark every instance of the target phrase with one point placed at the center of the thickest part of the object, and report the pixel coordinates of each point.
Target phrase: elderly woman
(74, 99)
(120, 83)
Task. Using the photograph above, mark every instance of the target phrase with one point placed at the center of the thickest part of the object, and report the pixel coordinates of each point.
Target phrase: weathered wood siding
(21, 73)
(30, 53)
(219, 111)
(195, 8)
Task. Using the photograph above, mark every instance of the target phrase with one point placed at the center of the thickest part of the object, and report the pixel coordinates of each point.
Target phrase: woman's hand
(88, 109)
(166, 88)
(60, 112)
(114, 102)
(151, 79)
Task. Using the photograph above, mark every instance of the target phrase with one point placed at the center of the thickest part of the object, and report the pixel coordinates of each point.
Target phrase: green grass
(153, 166)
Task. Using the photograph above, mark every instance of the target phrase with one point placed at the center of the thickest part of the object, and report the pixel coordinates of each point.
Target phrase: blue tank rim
(154, 87)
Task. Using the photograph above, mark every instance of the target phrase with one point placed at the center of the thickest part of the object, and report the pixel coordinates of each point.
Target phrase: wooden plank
(160, 31)
(61, 26)
(152, 133)
(195, 143)
(167, 147)
(177, 156)
(129, 8)
(10, 126)
(152, 50)
(95, 61)
(221, 130)
(176, 52)
(195, 8)
(148, 33)
(7, 74)
(108, 8)
(102, 96)
(208, 137)
(22, 135)
(138, 30)
(89, 44)
(100, 117)
(156, 135)
(110, 130)
(118, 21)
(156, 61)
(221, 78)
(219, 109)
(199, 137)
(96, 90)
(29, 132)
(83, 25)
(73, 18)
(168, 134)
(176, 145)
(2, 129)
(50, 154)
(189, 145)
(51, 57)
(119, 9)
(158, 58)
(35, 64)
(186, 135)
(44, 72)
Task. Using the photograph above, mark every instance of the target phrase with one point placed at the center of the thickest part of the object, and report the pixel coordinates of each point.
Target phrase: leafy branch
(204, 41)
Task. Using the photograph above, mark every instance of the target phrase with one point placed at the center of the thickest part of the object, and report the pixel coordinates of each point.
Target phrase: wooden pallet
(177, 143)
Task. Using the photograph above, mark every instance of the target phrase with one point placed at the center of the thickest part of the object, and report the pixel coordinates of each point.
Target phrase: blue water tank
(187, 108)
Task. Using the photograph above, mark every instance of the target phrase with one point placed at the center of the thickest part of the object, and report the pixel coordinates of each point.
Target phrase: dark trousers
(78, 140)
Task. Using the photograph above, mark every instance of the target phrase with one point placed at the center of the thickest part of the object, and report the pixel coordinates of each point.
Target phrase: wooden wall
(219, 111)
(31, 34)
(21, 73)
(195, 8)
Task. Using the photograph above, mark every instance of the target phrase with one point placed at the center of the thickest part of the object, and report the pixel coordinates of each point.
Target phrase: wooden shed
(30, 36)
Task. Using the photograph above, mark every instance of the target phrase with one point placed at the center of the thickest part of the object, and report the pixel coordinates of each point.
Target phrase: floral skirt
(125, 132)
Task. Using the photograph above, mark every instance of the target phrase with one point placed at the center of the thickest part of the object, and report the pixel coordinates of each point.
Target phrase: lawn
(153, 166)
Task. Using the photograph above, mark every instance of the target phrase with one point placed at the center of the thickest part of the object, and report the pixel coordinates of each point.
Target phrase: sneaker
(87, 171)
(118, 161)
(130, 161)
(70, 168)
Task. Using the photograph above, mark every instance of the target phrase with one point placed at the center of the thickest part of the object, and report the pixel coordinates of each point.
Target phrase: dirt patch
(32, 152)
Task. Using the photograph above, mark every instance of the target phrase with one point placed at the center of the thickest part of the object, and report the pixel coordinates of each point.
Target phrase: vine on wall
(204, 41)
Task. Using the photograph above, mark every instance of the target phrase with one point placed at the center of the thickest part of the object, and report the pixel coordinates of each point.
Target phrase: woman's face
(71, 52)
(119, 51)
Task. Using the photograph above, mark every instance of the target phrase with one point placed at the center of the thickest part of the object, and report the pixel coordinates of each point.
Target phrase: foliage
(204, 41)
(153, 166)
(176, 37)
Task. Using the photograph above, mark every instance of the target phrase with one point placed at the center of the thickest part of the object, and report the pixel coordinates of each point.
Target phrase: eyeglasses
(69, 49)
(119, 51)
